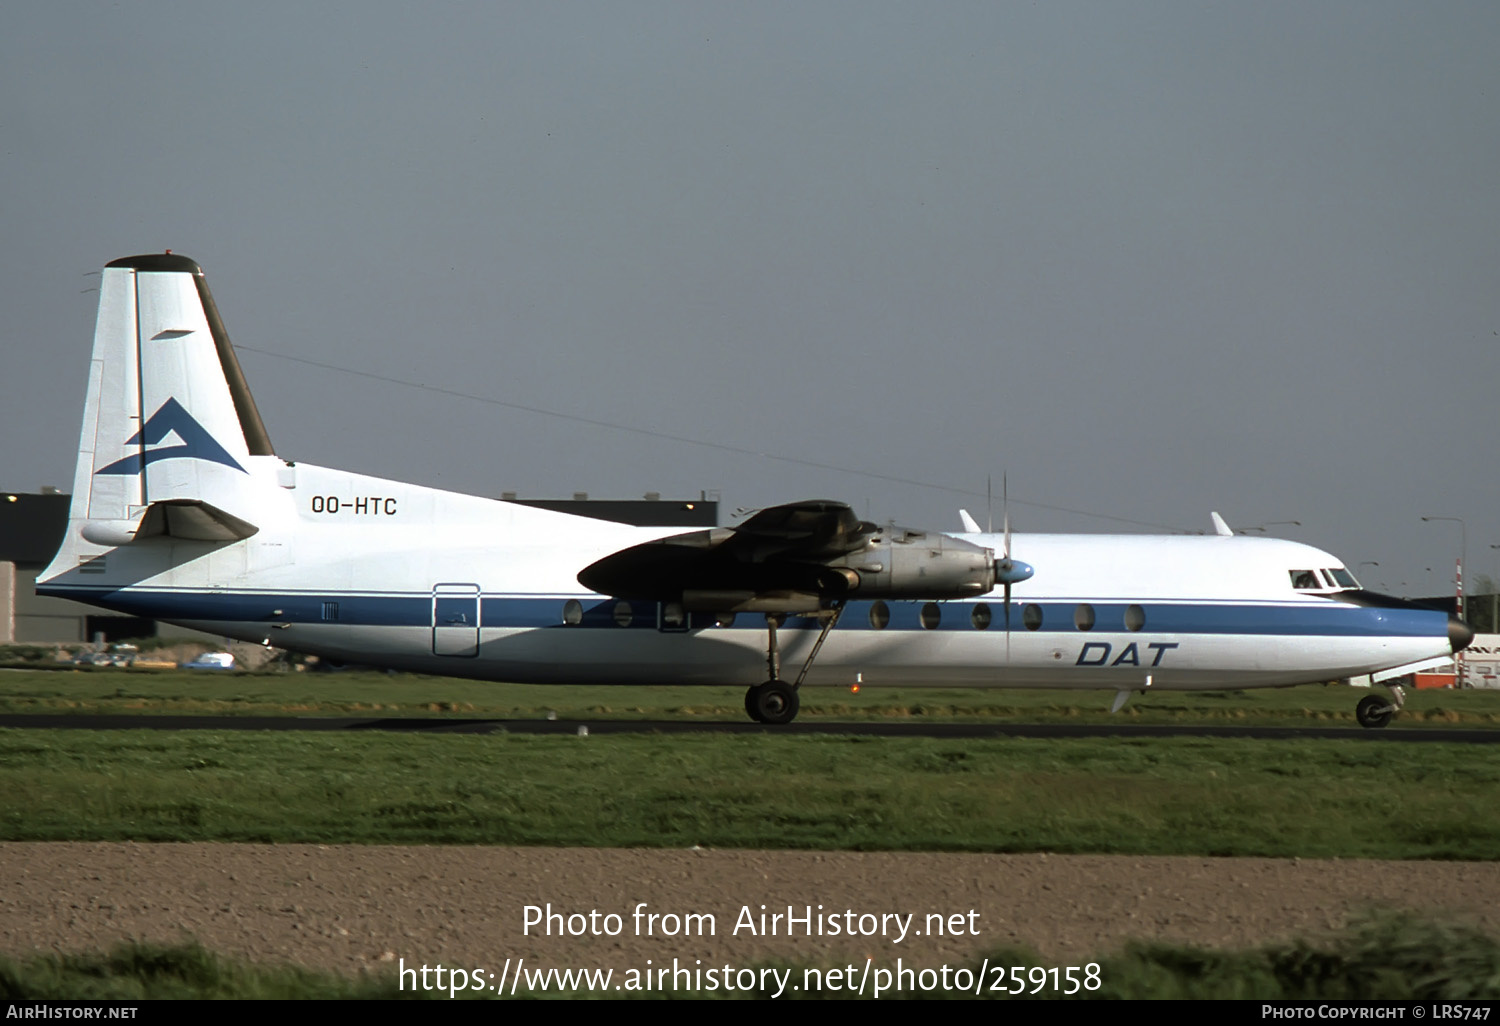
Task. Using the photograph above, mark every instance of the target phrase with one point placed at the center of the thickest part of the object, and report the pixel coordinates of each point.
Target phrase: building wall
(7, 602)
(27, 618)
(38, 618)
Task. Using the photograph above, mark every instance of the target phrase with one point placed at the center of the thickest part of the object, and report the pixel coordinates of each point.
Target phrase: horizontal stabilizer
(187, 519)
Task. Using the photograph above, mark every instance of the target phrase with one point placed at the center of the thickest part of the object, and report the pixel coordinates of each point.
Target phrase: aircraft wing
(798, 557)
(801, 529)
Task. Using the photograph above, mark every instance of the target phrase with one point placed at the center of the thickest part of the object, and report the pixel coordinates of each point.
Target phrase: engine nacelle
(902, 564)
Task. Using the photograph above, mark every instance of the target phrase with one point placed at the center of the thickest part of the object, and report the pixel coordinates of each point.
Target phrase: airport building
(31, 529)
(32, 526)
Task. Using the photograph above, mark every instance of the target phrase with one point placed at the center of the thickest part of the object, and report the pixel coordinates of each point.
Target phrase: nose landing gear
(1374, 712)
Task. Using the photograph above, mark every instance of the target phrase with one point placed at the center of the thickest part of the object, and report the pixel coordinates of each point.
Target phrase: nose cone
(1459, 634)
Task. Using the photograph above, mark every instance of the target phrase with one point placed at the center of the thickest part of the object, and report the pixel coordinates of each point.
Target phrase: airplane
(182, 512)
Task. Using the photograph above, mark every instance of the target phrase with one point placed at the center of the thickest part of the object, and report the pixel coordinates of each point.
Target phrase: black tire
(1373, 712)
(775, 702)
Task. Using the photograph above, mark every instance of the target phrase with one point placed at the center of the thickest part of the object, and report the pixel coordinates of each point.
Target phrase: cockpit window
(1326, 579)
(1344, 578)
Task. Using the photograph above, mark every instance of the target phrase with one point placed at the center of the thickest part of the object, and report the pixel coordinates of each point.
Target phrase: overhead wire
(685, 440)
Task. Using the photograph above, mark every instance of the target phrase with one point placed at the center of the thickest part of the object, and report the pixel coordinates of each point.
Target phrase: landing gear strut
(1374, 712)
(775, 701)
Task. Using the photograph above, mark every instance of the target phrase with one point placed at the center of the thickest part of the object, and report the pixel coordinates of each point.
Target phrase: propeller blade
(1005, 507)
(1007, 623)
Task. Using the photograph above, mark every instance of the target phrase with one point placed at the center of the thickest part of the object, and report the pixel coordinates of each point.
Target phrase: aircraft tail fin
(169, 425)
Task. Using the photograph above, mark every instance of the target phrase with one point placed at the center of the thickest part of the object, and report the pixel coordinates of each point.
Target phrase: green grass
(1390, 958)
(1111, 795)
(155, 971)
(378, 694)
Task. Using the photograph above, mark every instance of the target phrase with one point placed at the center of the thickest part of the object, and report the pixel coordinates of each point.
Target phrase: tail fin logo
(171, 418)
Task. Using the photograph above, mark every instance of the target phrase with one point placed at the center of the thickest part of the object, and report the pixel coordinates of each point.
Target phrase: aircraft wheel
(750, 707)
(774, 702)
(1373, 711)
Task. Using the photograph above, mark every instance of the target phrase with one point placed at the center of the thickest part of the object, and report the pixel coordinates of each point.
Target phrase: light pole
(1463, 551)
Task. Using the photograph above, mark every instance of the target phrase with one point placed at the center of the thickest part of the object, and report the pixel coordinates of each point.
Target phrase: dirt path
(345, 908)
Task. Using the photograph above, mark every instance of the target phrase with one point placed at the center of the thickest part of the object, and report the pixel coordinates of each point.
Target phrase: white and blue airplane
(182, 512)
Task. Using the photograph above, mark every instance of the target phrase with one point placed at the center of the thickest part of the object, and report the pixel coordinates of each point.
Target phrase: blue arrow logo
(197, 443)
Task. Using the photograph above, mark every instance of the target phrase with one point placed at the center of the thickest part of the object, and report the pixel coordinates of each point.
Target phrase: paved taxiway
(472, 725)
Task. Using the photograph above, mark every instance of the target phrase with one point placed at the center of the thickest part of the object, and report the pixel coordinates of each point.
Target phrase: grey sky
(1148, 259)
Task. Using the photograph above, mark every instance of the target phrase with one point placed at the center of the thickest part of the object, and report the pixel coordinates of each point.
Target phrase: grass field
(1384, 959)
(379, 694)
(1186, 796)
(1111, 795)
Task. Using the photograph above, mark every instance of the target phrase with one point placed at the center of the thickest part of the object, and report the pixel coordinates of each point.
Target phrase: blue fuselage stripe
(1329, 618)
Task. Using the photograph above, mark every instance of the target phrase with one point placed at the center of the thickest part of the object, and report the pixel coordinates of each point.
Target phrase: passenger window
(1031, 616)
(623, 614)
(1303, 580)
(980, 617)
(573, 612)
(1083, 617)
(931, 616)
(1135, 618)
(880, 615)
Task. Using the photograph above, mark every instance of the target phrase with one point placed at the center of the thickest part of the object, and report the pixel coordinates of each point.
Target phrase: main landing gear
(775, 701)
(1374, 712)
